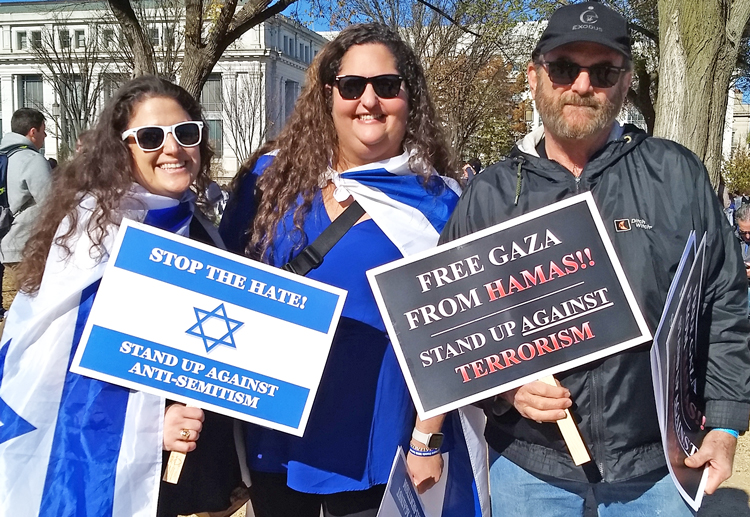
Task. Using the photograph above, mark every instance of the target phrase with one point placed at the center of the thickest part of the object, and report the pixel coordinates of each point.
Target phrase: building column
(6, 100)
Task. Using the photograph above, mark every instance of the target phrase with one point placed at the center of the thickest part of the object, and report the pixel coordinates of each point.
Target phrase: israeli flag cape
(412, 217)
(71, 445)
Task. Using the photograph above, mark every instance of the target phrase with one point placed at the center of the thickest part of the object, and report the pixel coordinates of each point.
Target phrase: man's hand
(540, 401)
(717, 451)
(425, 470)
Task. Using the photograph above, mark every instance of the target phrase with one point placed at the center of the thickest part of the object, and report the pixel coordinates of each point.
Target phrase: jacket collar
(622, 139)
(528, 143)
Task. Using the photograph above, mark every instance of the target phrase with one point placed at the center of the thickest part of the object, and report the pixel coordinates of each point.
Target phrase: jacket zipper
(596, 424)
(596, 397)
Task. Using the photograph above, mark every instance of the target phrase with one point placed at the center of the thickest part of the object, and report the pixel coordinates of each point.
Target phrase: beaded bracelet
(423, 452)
(734, 433)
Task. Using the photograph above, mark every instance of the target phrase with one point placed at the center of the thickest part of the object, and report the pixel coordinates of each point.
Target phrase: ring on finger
(185, 434)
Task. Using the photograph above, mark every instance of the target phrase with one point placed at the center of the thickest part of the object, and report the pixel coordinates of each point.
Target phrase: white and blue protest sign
(196, 324)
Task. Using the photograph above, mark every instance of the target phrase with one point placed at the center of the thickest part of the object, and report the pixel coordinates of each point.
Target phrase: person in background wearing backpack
(28, 180)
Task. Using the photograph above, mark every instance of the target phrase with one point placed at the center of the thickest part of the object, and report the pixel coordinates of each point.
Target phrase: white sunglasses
(152, 138)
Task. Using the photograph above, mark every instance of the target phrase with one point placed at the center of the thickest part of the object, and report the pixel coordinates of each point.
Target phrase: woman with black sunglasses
(95, 449)
(364, 129)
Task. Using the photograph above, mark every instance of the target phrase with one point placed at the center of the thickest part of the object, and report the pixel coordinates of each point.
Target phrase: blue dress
(363, 410)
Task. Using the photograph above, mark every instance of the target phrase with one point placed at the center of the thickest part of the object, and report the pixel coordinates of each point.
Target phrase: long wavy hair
(103, 168)
(308, 143)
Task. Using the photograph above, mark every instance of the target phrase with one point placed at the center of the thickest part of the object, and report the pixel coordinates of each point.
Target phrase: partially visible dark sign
(675, 380)
(530, 297)
(401, 498)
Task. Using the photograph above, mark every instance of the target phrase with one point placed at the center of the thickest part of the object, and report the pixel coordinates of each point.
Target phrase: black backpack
(6, 216)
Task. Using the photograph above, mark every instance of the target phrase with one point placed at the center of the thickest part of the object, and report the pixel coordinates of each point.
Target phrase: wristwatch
(431, 440)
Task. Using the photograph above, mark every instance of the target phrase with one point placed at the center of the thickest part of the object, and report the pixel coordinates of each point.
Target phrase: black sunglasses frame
(351, 87)
(566, 72)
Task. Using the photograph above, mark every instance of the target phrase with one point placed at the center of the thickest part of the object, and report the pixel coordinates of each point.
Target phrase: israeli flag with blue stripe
(71, 445)
(412, 215)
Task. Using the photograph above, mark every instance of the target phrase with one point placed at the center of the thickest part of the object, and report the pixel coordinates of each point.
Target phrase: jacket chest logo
(625, 225)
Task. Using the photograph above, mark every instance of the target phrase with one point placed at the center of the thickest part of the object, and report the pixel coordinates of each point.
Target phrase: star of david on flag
(213, 323)
(11, 424)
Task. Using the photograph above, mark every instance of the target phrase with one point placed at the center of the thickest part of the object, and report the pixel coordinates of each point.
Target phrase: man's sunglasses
(600, 76)
(744, 235)
(351, 87)
(152, 138)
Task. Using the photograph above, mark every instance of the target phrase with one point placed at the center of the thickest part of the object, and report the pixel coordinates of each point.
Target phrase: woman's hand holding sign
(539, 401)
(426, 469)
(182, 427)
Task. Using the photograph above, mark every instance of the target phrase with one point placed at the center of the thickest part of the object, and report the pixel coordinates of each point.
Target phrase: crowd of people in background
(364, 132)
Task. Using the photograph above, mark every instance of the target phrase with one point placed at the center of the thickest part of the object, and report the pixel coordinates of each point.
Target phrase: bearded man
(579, 75)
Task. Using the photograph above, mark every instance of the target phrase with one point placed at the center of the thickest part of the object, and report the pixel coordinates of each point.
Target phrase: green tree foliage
(736, 172)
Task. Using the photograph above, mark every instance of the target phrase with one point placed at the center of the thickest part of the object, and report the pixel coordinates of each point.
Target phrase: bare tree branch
(143, 51)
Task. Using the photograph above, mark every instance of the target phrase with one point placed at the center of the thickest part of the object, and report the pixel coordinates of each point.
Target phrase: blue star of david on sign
(205, 318)
(11, 424)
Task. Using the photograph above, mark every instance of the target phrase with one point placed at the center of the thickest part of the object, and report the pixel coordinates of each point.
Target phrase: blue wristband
(423, 453)
(734, 433)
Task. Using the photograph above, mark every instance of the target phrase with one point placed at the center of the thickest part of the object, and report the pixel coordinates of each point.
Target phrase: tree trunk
(144, 61)
(699, 42)
(202, 53)
(641, 95)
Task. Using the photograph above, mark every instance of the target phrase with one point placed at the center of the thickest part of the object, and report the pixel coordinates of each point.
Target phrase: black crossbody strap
(312, 256)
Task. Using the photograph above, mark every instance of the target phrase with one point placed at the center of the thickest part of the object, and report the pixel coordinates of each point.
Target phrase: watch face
(436, 440)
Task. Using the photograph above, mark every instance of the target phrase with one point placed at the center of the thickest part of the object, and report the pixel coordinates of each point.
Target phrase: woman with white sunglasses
(95, 448)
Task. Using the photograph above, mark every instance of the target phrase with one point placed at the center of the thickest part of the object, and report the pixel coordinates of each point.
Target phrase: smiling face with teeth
(369, 128)
(171, 170)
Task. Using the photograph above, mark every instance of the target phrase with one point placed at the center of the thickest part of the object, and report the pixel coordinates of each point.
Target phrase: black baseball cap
(587, 21)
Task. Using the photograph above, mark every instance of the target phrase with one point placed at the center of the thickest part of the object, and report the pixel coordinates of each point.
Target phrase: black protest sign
(533, 296)
(682, 424)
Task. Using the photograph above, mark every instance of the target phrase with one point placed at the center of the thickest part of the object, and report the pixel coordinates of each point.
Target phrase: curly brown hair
(103, 169)
(308, 142)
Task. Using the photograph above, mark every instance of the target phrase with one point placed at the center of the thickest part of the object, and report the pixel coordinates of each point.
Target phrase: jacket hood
(11, 139)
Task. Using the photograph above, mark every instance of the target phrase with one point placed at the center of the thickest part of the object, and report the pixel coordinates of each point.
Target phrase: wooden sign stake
(570, 432)
(174, 467)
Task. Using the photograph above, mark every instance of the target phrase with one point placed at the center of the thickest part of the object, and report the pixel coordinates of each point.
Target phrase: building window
(30, 91)
(111, 84)
(216, 137)
(22, 40)
(169, 37)
(290, 96)
(301, 51)
(286, 45)
(64, 39)
(211, 94)
(108, 38)
(36, 39)
(153, 35)
(80, 39)
(307, 54)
